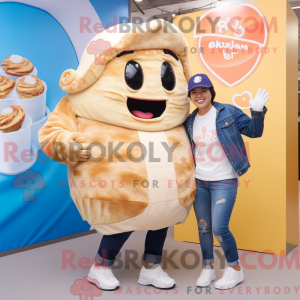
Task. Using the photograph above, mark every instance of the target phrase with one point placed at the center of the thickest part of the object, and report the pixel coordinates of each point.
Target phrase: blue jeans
(111, 245)
(213, 206)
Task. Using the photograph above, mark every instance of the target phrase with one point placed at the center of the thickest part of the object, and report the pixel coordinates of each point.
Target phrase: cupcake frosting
(6, 85)
(16, 58)
(16, 65)
(11, 116)
(30, 80)
(30, 86)
(6, 111)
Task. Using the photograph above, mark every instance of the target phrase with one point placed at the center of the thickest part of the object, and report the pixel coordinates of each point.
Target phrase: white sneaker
(103, 277)
(230, 278)
(207, 275)
(156, 277)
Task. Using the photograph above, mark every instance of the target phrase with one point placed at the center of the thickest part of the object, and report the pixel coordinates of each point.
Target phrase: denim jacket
(231, 122)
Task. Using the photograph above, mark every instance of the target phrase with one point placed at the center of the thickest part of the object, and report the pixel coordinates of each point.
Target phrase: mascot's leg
(154, 244)
(151, 273)
(110, 246)
(100, 272)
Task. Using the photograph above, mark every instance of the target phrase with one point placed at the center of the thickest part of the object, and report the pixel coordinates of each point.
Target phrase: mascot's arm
(59, 137)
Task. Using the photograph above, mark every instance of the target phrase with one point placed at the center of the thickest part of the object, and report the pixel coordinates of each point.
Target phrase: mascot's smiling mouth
(146, 108)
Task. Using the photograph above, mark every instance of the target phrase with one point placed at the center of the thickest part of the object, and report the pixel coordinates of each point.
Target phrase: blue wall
(44, 210)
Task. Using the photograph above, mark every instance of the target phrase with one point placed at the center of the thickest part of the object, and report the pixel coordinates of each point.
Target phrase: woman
(220, 159)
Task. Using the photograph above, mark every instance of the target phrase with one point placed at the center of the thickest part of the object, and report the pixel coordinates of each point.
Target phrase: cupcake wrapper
(23, 97)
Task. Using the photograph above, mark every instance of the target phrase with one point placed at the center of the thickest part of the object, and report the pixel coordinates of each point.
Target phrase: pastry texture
(29, 87)
(11, 118)
(6, 85)
(129, 189)
(16, 65)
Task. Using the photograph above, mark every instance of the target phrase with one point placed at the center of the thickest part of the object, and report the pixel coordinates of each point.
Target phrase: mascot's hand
(84, 153)
(73, 150)
(260, 100)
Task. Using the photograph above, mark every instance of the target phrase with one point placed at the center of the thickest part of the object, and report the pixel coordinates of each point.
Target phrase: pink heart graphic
(232, 49)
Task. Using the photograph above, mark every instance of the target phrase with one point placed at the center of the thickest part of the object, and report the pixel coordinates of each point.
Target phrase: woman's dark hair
(213, 94)
(212, 91)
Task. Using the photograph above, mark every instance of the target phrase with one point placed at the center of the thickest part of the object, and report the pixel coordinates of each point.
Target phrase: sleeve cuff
(258, 113)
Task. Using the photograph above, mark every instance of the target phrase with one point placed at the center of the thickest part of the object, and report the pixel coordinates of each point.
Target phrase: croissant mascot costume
(122, 116)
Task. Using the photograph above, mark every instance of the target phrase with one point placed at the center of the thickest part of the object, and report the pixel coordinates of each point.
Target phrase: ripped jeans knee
(220, 201)
(203, 225)
(219, 238)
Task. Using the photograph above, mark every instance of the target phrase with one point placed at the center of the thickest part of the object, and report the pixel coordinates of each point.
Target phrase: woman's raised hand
(260, 100)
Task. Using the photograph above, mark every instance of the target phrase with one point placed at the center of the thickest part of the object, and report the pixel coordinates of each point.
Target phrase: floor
(49, 272)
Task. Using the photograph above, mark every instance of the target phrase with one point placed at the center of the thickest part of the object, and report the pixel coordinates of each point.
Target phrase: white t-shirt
(211, 160)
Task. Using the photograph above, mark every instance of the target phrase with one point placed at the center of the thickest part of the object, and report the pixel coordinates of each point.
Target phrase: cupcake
(11, 118)
(16, 65)
(6, 85)
(29, 87)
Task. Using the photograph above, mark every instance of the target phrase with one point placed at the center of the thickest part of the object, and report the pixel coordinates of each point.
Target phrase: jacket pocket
(228, 126)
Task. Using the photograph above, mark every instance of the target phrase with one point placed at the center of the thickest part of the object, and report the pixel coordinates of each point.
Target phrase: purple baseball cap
(201, 80)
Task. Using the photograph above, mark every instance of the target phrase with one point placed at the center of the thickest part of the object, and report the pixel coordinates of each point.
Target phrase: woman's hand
(260, 100)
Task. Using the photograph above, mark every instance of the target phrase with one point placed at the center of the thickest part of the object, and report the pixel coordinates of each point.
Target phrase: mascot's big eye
(167, 76)
(133, 75)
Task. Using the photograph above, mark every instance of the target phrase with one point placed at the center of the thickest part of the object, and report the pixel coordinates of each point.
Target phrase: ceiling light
(296, 7)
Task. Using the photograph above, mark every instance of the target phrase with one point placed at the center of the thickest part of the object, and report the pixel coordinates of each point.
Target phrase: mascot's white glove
(260, 100)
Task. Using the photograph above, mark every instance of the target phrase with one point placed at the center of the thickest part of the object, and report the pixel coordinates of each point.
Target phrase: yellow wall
(265, 216)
